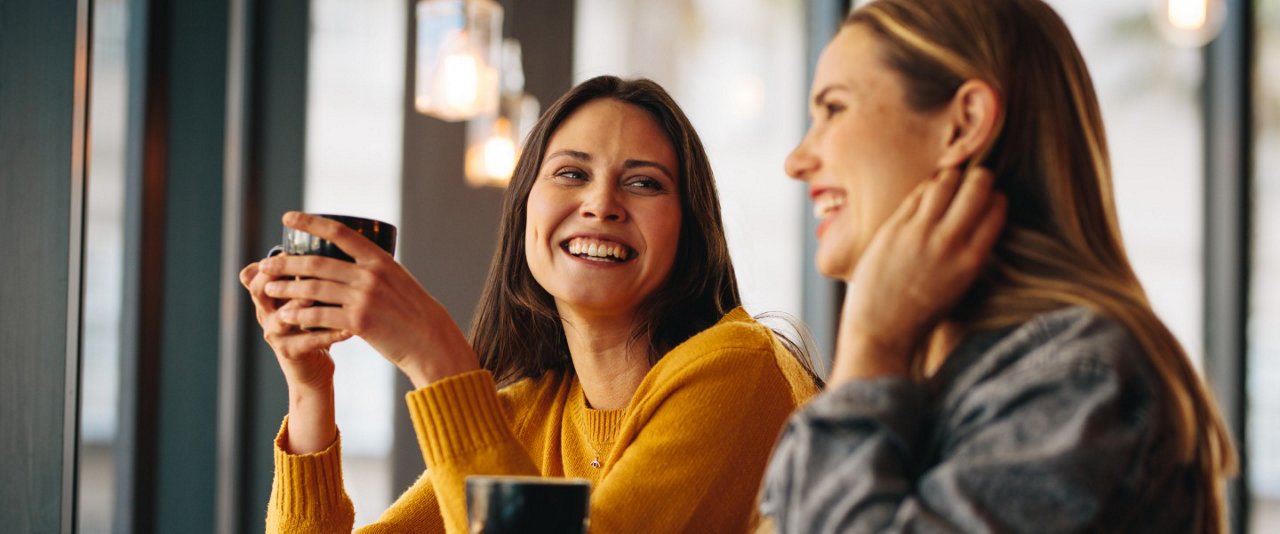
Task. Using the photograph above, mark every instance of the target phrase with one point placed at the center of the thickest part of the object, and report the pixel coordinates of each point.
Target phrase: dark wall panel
(43, 46)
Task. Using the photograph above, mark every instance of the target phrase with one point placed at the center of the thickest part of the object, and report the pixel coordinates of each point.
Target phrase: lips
(826, 202)
(599, 249)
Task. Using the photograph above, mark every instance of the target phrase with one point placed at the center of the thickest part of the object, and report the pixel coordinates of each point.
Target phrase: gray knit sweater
(1052, 426)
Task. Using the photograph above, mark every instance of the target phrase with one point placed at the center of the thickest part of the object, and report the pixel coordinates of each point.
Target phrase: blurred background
(209, 119)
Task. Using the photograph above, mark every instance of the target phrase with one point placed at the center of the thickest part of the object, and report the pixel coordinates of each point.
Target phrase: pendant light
(494, 140)
(1190, 23)
(458, 51)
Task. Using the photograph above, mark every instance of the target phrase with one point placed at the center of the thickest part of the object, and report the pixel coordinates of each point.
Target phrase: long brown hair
(1061, 246)
(517, 331)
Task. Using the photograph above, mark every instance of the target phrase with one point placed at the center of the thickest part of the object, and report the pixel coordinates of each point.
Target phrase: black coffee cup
(298, 242)
(500, 505)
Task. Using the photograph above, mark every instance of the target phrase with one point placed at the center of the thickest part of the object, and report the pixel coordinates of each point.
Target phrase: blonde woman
(998, 367)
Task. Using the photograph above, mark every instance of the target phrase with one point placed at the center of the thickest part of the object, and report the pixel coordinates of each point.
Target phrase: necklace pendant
(595, 463)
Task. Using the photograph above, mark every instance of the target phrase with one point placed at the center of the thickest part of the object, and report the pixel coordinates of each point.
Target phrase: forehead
(613, 129)
(851, 59)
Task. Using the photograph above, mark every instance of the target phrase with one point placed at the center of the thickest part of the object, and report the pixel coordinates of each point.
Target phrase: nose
(600, 201)
(801, 162)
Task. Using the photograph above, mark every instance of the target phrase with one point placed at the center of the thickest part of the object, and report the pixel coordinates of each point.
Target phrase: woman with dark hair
(609, 343)
(998, 366)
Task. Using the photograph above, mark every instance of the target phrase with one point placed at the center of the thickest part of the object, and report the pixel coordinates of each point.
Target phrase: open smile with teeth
(598, 250)
(827, 203)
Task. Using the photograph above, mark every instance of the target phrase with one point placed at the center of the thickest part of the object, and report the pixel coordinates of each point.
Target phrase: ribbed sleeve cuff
(458, 415)
(307, 485)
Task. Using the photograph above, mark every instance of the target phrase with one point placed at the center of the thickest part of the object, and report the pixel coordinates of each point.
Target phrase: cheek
(666, 235)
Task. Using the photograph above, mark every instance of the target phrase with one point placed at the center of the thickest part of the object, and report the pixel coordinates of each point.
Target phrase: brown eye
(571, 174)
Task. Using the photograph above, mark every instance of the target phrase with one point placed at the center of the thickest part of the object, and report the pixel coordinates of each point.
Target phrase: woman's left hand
(921, 261)
(374, 298)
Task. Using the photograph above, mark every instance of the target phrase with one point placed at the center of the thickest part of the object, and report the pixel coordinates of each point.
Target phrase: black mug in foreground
(297, 242)
(500, 505)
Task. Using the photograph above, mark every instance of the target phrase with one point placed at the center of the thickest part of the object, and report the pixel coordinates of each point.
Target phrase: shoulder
(533, 394)
(1067, 353)
(735, 336)
(1076, 337)
(736, 346)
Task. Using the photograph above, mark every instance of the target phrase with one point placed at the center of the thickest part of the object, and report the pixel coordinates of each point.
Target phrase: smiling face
(865, 151)
(603, 217)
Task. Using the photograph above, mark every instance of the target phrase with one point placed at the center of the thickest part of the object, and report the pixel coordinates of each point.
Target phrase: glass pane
(1149, 91)
(1264, 322)
(354, 120)
(104, 249)
(736, 69)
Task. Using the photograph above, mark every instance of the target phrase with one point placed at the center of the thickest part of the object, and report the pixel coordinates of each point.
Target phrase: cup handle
(275, 251)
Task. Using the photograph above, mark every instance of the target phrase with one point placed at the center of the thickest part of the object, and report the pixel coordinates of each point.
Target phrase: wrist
(866, 357)
(312, 426)
(423, 372)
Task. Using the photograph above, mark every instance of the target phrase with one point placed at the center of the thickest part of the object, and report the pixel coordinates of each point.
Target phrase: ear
(972, 119)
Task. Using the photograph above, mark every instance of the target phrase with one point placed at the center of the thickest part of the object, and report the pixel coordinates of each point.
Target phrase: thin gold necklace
(586, 436)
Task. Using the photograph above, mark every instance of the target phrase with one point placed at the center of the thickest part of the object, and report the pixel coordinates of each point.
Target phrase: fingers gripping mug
(298, 242)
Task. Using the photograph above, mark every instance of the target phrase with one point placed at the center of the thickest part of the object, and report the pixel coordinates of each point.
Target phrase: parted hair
(1061, 245)
(517, 332)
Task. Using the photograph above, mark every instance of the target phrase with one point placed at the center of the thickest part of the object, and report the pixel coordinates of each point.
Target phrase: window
(1151, 109)
(737, 70)
(354, 122)
(1264, 321)
(104, 261)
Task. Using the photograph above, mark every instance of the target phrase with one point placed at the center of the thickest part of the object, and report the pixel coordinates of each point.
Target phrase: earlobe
(973, 119)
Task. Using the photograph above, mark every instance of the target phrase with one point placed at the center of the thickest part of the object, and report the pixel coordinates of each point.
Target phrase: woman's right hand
(304, 359)
(921, 261)
(303, 355)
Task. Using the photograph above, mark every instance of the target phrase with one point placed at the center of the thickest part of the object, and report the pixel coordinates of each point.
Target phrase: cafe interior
(149, 147)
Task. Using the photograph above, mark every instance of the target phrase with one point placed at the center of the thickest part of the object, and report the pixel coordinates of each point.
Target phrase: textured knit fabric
(1053, 426)
(685, 455)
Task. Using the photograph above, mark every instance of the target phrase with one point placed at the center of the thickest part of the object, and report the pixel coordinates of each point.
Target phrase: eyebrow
(821, 96)
(628, 164)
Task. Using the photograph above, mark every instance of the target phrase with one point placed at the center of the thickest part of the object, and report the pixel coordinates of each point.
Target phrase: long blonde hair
(1061, 246)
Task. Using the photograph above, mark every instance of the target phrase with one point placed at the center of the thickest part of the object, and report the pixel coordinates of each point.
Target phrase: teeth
(827, 203)
(591, 248)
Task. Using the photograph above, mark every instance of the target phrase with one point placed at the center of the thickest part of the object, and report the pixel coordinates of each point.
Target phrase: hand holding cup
(373, 297)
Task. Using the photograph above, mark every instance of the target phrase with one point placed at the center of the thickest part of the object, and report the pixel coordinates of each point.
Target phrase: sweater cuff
(457, 416)
(307, 485)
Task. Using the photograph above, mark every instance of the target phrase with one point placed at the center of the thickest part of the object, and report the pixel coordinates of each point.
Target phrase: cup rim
(527, 479)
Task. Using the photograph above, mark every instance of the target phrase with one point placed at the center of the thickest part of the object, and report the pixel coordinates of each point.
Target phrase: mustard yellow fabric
(685, 455)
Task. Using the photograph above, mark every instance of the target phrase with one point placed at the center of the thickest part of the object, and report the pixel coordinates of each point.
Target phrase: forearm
(843, 462)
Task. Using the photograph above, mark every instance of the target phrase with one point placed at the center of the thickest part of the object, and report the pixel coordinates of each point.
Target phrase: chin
(835, 264)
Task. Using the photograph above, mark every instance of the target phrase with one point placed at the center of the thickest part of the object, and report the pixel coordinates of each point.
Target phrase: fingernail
(286, 314)
(290, 217)
(272, 287)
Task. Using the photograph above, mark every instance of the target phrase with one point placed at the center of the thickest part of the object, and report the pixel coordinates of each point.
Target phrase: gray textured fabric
(1053, 426)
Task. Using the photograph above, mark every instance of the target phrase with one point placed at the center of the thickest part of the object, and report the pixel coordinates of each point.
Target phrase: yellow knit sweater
(685, 455)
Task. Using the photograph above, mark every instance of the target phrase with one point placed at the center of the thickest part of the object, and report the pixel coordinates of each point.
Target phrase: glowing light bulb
(492, 161)
(1189, 23)
(458, 83)
(458, 48)
(1188, 14)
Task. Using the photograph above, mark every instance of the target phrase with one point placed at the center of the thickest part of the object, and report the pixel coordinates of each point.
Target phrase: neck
(609, 366)
(944, 339)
